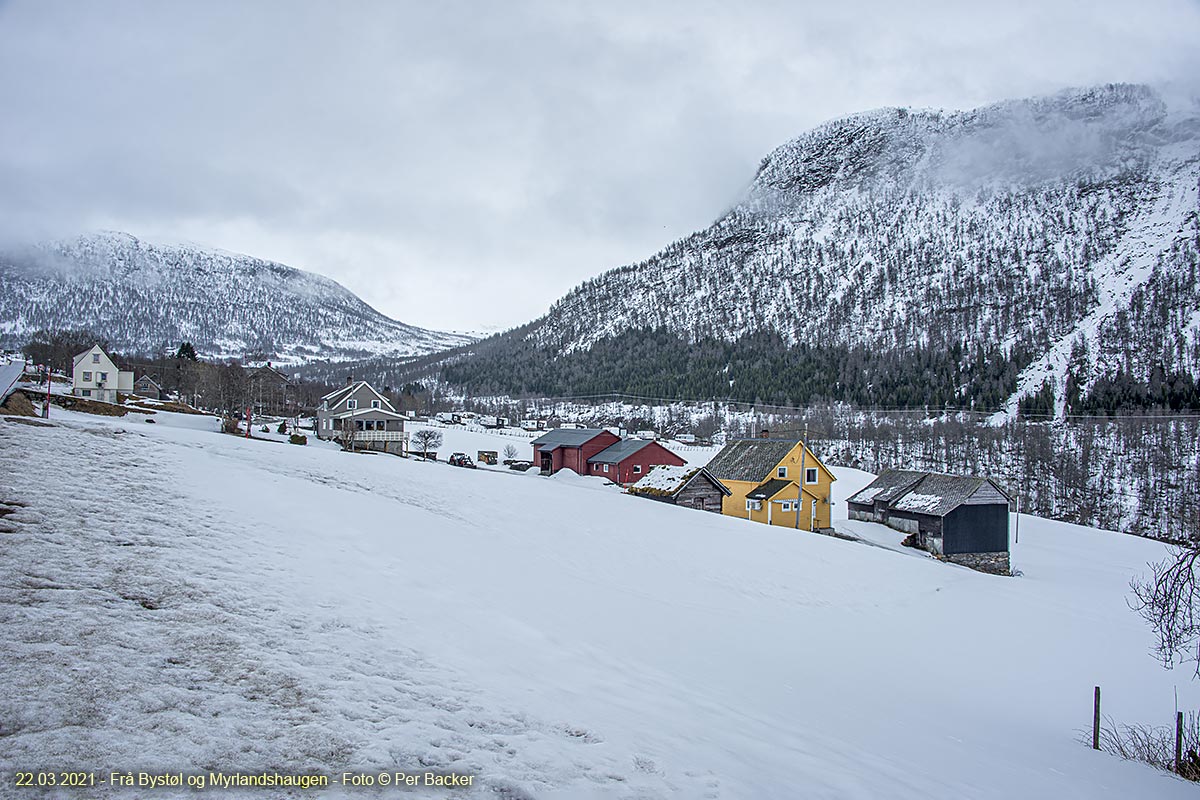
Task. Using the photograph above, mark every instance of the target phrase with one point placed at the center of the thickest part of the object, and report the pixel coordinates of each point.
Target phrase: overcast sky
(462, 165)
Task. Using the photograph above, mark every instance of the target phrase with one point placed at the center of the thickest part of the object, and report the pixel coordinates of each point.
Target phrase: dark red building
(570, 448)
(628, 460)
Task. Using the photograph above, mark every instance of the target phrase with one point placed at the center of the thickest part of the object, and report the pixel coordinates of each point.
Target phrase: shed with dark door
(962, 519)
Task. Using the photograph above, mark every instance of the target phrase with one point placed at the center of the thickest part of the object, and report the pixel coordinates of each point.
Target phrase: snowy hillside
(1058, 235)
(141, 296)
(252, 605)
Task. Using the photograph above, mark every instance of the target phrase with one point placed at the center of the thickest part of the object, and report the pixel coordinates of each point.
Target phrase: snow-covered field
(175, 599)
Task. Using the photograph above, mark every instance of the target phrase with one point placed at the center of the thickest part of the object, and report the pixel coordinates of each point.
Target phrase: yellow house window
(754, 505)
(810, 475)
(781, 472)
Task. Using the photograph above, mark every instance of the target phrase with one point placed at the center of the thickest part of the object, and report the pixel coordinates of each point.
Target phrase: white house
(96, 377)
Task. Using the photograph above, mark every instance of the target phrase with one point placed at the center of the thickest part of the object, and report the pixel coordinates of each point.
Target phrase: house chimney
(764, 434)
(349, 379)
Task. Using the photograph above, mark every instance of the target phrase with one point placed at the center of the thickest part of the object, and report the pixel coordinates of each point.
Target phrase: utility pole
(800, 492)
(46, 409)
(1018, 532)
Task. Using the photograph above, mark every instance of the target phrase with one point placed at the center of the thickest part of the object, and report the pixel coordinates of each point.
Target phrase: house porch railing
(381, 436)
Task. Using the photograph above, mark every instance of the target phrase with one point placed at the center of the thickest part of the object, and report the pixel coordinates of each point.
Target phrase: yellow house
(774, 481)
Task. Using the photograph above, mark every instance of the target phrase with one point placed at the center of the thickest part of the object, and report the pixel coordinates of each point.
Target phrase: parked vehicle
(501, 422)
(521, 466)
(529, 424)
(487, 457)
(646, 435)
(489, 421)
(686, 438)
(460, 460)
(444, 416)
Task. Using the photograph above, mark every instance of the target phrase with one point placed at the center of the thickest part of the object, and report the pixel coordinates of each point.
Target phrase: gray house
(961, 519)
(361, 419)
(146, 386)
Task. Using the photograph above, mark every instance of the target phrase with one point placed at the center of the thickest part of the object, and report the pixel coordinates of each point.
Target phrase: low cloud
(461, 165)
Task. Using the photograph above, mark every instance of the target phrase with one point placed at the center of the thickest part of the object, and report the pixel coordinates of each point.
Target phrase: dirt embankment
(86, 406)
(18, 405)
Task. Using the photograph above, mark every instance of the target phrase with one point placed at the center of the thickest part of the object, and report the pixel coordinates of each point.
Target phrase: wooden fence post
(1096, 721)
(1178, 742)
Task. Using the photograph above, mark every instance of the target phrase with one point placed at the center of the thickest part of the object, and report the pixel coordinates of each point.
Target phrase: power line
(930, 412)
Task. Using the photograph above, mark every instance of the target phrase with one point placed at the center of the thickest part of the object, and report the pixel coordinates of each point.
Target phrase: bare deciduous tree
(347, 435)
(1170, 601)
(510, 452)
(426, 440)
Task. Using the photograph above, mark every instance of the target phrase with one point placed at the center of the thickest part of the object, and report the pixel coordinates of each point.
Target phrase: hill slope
(141, 296)
(1057, 235)
(301, 609)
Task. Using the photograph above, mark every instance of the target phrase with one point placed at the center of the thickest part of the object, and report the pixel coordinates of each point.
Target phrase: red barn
(628, 460)
(570, 448)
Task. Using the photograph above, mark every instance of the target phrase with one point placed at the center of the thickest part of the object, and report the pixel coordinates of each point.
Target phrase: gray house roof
(769, 489)
(938, 495)
(749, 459)
(887, 486)
(336, 396)
(930, 493)
(567, 437)
(618, 452)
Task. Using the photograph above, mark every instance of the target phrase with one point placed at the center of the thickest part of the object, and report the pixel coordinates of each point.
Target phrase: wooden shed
(962, 519)
(690, 487)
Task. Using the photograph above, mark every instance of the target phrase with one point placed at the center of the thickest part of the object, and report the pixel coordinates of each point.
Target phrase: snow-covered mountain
(1059, 235)
(141, 296)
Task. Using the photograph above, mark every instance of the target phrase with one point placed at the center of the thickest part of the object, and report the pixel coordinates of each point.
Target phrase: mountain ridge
(1022, 230)
(142, 295)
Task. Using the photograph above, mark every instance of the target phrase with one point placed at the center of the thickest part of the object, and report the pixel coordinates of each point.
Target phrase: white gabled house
(357, 413)
(96, 377)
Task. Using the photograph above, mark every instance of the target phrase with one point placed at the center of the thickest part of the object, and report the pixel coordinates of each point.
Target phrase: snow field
(174, 598)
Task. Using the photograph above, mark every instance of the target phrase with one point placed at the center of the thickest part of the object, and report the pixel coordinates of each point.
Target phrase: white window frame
(637, 469)
(101, 376)
(375, 404)
(606, 467)
(95, 358)
(781, 472)
(753, 505)
(87, 376)
(351, 405)
(787, 505)
(811, 471)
